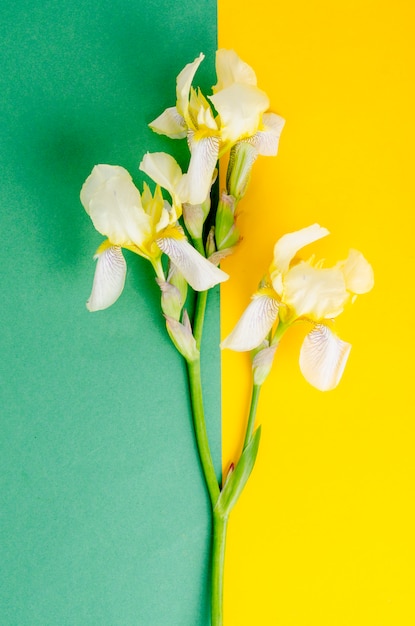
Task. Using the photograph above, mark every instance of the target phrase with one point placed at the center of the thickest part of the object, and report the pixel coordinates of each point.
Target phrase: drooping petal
(170, 123)
(358, 273)
(266, 140)
(323, 357)
(200, 273)
(109, 278)
(184, 81)
(194, 186)
(240, 108)
(231, 69)
(288, 245)
(315, 293)
(254, 325)
(114, 204)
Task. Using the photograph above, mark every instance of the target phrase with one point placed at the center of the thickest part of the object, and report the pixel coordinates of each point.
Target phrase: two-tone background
(104, 518)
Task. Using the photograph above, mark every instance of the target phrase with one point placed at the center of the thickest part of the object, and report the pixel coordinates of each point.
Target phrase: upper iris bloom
(239, 113)
(304, 290)
(144, 224)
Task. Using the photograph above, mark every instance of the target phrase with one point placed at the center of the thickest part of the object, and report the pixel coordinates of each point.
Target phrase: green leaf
(236, 482)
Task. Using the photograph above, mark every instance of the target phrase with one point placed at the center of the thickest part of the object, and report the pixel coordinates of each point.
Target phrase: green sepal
(237, 480)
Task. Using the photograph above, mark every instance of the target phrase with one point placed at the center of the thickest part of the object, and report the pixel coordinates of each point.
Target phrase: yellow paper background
(324, 533)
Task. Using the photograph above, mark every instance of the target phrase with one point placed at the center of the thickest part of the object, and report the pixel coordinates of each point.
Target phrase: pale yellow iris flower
(304, 290)
(142, 223)
(240, 113)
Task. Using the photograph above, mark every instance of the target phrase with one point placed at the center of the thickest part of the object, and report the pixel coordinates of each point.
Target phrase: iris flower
(240, 113)
(294, 290)
(146, 225)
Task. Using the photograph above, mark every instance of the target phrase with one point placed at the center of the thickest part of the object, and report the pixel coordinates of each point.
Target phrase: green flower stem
(195, 384)
(256, 390)
(220, 524)
(201, 301)
(199, 317)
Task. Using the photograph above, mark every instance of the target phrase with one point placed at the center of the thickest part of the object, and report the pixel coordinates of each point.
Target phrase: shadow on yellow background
(323, 534)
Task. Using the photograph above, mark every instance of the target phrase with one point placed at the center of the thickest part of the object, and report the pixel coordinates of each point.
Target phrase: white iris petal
(266, 141)
(184, 82)
(323, 357)
(109, 279)
(170, 123)
(200, 273)
(195, 185)
(288, 245)
(358, 273)
(240, 108)
(231, 69)
(254, 325)
(114, 204)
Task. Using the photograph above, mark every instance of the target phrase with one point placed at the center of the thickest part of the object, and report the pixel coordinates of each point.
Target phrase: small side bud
(171, 300)
(241, 160)
(230, 471)
(262, 363)
(210, 243)
(226, 232)
(194, 219)
(176, 278)
(182, 337)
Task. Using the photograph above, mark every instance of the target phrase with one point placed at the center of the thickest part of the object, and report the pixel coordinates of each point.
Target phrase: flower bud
(262, 363)
(176, 278)
(241, 160)
(171, 301)
(182, 337)
(226, 232)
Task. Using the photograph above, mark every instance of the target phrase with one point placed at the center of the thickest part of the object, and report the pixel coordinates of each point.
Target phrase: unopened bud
(182, 337)
(176, 278)
(241, 160)
(262, 363)
(171, 300)
(226, 232)
(194, 218)
(228, 474)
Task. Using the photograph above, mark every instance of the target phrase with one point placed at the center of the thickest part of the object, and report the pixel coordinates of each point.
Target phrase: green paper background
(104, 513)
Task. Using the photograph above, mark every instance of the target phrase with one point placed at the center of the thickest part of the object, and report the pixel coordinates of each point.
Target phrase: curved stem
(218, 565)
(256, 390)
(195, 384)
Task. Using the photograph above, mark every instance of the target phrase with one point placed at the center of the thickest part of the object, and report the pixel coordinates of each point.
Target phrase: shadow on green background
(104, 515)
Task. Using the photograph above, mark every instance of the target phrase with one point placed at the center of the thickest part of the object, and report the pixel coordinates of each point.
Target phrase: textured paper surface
(324, 534)
(104, 515)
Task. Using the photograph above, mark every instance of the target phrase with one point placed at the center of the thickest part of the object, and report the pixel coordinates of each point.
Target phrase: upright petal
(109, 277)
(358, 273)
(254, 325)
(194, 186)
(184, 82)
(163, 169)
(200, 273)
(114, 205)
(170, 123)
(240, 108)
(323, 357)
(231, 69)
(288, 245)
